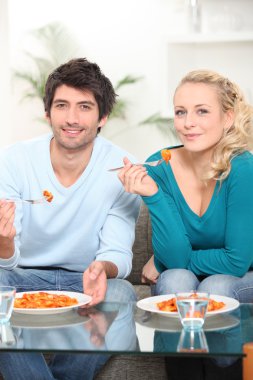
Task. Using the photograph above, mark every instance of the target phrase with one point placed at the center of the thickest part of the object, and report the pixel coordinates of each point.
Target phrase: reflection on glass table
(108, 327)
(223, 332)
(125, 328)
(192, 341)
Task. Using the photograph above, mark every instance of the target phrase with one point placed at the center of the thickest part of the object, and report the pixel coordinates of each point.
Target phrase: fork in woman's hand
(151, 163)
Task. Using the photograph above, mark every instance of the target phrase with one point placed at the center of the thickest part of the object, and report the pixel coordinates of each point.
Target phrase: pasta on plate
(44, 300)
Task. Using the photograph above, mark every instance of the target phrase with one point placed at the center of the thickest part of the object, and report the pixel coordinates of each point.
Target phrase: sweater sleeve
(118, 233)
(9, 184)
(172, 244)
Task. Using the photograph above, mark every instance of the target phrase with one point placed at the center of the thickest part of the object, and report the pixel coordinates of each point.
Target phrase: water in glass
(7, 295)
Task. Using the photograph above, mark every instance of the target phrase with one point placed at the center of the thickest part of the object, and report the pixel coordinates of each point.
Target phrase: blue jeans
(183, 280)
(26, 366)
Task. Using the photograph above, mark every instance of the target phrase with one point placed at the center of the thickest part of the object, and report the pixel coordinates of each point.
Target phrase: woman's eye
(202, 111)
(179, 112)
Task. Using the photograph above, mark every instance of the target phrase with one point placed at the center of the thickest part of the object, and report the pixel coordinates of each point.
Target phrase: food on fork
(166, 155)
(41, 300)
(49, 196)
(171, 305)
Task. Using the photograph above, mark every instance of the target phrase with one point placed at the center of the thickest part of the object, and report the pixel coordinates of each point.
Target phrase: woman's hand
(149, 272)
(136, 180)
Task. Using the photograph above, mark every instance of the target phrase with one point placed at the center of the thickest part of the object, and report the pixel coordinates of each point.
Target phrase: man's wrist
(110, 269)
(7, 247)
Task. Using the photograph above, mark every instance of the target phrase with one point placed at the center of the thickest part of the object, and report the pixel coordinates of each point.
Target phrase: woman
(201, 203)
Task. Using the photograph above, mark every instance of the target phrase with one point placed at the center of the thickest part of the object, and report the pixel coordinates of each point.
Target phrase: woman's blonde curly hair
(239, 137)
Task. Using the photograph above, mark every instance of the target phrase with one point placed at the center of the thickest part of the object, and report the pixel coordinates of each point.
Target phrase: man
(82, 240)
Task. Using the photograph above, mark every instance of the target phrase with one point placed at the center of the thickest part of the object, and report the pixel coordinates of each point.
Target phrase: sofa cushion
(142, 291)
(134, 367)
(142, 248)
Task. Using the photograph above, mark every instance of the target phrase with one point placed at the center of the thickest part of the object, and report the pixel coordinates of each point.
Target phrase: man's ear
(102, 121)
(47, 117)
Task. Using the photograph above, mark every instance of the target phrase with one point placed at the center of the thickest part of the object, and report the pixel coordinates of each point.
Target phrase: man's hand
(7, 229)
(95, 280)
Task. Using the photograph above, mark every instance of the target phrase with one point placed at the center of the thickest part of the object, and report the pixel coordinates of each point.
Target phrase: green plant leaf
(58, 45)
(119, 110)
(128, 79)
(164, 124)
(156, 118)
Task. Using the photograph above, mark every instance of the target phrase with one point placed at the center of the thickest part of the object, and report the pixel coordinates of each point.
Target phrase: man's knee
(120, 291)
(5, 277)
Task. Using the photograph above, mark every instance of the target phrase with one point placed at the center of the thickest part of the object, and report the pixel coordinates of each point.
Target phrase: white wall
(123, 37)
(6, 130)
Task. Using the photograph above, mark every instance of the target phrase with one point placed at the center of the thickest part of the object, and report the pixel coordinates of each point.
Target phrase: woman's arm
(169, 234)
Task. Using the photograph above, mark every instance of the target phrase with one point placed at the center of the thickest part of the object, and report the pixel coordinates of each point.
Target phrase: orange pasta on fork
(49, 196)
(166, 155)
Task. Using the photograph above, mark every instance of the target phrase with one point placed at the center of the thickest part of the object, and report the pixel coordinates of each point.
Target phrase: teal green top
(219, 241)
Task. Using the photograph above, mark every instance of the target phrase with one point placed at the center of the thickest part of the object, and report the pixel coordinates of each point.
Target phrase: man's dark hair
(83, 75)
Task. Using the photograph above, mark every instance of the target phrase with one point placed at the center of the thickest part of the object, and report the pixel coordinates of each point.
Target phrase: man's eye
(84, 106)
(60, 105)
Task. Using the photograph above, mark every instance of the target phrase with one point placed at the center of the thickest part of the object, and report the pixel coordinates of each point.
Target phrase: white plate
(81, 298)
(149, 304)
(43, 321)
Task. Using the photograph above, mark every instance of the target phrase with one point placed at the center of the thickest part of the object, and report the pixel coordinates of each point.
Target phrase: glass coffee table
(119, 328)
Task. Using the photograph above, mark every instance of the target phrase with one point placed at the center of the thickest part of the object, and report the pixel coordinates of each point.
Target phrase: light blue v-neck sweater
(94, 219)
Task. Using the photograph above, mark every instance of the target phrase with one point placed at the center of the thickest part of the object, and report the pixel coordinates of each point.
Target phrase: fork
(151, 163)
(31, 201)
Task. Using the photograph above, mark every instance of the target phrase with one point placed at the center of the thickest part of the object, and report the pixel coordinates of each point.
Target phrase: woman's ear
(229, 119)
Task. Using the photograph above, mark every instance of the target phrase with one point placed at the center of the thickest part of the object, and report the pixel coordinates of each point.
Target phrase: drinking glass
(7, 335)
(192, 307)
(192, 341)
(7, 296)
